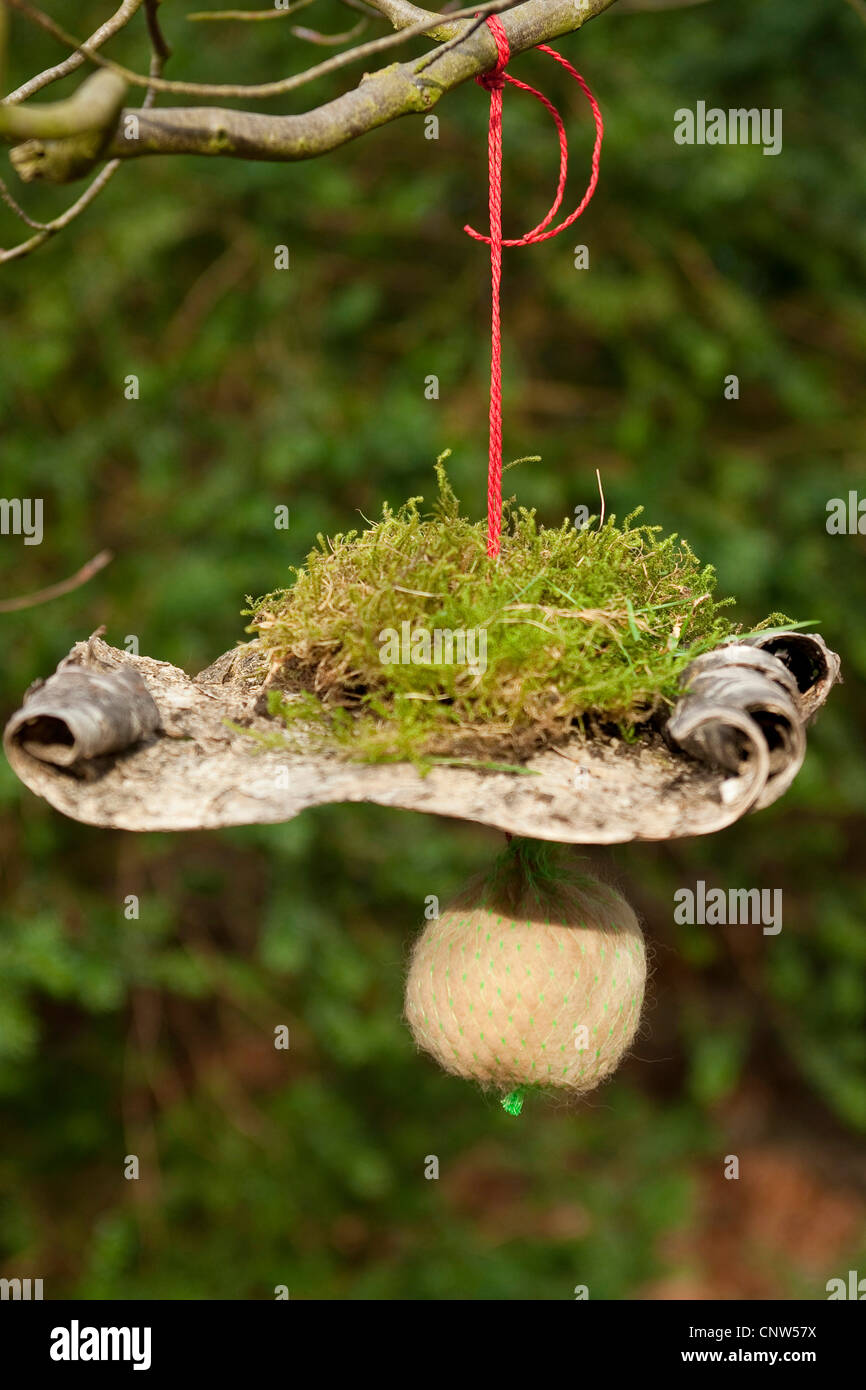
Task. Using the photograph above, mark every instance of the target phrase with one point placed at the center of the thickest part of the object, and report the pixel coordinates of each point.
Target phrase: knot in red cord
(494, 80)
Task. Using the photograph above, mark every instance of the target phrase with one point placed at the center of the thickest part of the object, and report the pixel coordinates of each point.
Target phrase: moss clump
(569, 628)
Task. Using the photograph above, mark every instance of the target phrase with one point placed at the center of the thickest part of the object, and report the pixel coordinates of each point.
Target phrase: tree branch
(381, 97)
(94, 107)
(260, 90)
(248, 16)
(33, 149)
(75, 60)
(328, 40)
(158, 43)
(402, 14)
(65, 586)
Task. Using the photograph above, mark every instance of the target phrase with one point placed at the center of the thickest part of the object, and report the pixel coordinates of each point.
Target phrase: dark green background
(305, 387)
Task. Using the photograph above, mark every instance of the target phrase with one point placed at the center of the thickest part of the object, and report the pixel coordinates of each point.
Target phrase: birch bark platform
(131, 743)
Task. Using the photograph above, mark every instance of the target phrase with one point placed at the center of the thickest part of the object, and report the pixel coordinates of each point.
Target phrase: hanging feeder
(534, 976)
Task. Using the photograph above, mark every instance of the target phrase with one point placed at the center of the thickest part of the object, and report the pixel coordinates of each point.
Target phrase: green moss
(582, 627)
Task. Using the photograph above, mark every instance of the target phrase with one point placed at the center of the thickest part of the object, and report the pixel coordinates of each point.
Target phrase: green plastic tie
(512, 1104)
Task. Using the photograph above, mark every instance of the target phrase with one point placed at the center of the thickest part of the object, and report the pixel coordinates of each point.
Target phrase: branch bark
(94, 108)
(131, 743)
(397, 90)
(401, 14)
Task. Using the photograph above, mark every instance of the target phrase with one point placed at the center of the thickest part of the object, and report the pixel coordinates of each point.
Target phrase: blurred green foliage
(306, 388)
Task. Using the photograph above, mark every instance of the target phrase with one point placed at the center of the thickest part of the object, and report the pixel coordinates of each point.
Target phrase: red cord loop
(494, 82)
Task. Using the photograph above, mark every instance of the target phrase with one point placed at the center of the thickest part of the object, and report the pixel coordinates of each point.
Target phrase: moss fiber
(583, 628)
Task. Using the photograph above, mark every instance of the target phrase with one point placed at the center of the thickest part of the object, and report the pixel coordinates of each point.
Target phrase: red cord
(494, 82)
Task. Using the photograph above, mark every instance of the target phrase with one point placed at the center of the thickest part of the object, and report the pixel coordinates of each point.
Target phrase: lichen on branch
(382, 96)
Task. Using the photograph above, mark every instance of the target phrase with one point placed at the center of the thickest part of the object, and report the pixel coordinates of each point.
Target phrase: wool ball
(531, 977)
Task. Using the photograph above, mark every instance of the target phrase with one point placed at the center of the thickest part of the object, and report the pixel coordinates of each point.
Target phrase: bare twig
(50, 229)
(230, 266)
(329, 40)
(158, 42)
(263, 90)
(65, 586)
(19, 211)
(118, 21)
(249, 15)
(46, 230)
